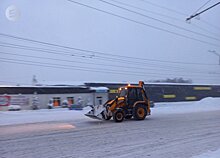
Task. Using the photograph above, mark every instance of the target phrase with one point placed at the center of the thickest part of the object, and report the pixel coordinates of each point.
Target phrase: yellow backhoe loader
(132, 101)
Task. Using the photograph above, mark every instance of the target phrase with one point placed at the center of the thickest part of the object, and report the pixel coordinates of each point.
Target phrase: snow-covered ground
(173, 130)
(45, 115)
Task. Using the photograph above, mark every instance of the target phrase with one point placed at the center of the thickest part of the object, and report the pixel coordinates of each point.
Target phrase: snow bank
(209, 154)
(207, 104)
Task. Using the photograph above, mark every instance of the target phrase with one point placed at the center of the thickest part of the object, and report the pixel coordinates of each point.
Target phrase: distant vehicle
(77, 106)
(131, 102)
(64, 104)
(14, 107)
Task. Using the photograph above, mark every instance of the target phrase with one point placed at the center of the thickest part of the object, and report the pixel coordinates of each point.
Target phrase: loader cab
(132, 94)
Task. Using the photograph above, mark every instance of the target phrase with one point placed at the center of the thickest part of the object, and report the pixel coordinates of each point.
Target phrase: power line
(106, 71)
(114, 65)
(96, 52)
(34, 63)
(163, 15)
(55, 59)
(202, 6)
(121, 66)
(162, 7)
(60, 60)
(87, 57)
(25, 62)
(127, 61)
(179, 13)
(155, 19)
(163, 68)
(144, 24)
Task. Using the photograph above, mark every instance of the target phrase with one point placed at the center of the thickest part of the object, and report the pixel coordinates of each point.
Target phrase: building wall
(26, 100)
(168, 92)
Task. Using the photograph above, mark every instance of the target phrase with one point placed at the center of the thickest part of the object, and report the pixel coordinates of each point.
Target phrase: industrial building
(28, 97)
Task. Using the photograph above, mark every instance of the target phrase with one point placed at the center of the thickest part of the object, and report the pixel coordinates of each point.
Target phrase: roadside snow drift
(207, 104)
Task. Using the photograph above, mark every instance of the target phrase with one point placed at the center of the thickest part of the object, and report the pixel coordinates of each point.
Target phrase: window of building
(70, 100)
(56, 101)
(99, 99)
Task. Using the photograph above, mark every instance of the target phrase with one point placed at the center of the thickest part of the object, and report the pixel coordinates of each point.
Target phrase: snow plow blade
(93, 116)
(96, 112)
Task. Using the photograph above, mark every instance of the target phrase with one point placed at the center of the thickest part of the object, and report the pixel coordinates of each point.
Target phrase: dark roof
(44, 90)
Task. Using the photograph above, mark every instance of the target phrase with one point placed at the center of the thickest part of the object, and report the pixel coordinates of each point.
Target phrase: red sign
(5, 100)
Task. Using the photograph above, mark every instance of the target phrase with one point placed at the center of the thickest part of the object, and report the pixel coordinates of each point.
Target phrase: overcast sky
(109, 40)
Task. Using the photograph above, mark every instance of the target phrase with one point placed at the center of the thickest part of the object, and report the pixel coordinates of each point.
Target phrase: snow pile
(207, 104)
(209, 154)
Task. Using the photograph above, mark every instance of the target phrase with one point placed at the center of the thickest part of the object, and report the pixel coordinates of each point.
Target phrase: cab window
(123, 92)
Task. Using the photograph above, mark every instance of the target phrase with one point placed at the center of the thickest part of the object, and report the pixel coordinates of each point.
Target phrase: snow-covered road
(177, 130)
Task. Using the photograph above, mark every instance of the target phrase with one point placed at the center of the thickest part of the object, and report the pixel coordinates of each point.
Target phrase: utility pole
(197, 14)
(214, 52)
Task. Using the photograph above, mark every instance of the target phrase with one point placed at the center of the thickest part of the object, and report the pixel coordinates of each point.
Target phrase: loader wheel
(139, 112)
(118, 116)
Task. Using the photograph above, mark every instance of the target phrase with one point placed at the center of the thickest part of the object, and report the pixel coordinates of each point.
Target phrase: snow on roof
(100, 89)
(153, 83)
(44, 86)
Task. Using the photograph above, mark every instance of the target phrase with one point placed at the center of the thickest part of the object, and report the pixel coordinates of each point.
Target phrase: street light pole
(214, 52)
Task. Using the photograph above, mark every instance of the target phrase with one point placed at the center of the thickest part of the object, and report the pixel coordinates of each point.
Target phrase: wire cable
(179, 13)
(163, 68)
(202, 6)
(82, 67)
(164, 16)
(96, 52)
(31, 63)
(163, 7)
(144, 24)
(155, 19)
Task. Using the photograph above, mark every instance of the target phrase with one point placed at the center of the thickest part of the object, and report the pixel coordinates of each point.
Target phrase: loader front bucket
(93, 116)
(96, 112)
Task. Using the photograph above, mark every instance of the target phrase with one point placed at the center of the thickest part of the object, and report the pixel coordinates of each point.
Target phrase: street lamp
(214, 52)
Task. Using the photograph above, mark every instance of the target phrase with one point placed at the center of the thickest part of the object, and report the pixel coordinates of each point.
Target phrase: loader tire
(139, 112)
(118, 115)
